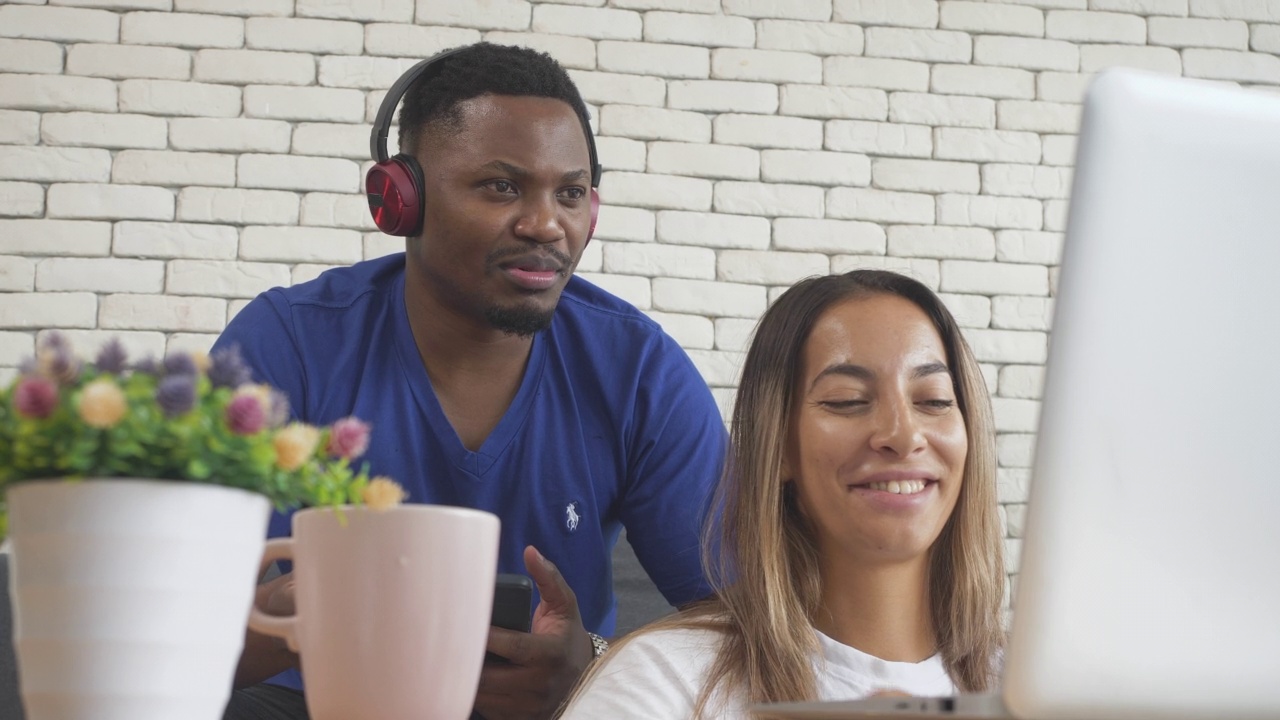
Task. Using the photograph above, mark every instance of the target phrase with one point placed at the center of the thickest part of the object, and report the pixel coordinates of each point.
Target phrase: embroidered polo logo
(571, 516)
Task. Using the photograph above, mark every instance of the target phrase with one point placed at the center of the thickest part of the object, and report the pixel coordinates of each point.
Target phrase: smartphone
(512, 606)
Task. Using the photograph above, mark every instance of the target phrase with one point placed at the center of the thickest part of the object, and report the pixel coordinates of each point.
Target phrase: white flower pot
(131, 596)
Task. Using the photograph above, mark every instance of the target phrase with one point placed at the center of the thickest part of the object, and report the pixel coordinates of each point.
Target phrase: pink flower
(35, 397)
(348, 438)
(102, 404)
(245, 415)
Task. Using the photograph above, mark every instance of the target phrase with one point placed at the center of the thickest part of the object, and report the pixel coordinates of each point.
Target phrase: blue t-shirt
(612, 425)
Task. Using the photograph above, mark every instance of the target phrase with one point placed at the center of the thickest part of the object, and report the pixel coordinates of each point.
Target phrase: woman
(855, 544)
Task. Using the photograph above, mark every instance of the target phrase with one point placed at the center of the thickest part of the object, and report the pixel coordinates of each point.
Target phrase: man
(495, 380)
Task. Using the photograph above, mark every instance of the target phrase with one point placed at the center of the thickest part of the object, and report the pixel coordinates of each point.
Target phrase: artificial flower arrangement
(189, 417)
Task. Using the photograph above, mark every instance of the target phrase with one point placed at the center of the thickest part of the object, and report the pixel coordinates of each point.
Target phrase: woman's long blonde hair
(761, 554)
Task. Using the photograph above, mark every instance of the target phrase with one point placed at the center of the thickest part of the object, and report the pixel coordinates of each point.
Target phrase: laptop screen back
(1150, 583)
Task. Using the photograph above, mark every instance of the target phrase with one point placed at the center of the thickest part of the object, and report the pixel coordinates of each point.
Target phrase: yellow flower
(382, 493)
(201, 359)
(102, 404)
(295, 445)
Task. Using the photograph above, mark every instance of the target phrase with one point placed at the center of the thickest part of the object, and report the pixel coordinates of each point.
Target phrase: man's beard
(521, 321)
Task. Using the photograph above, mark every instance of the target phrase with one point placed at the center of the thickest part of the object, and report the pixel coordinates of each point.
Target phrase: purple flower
(176, 394)
(348, 438)
(277, 408)
(245, 415)
(112, 358)
(180, 364)
(147, 365)
(227, 368)
(35, 397)
(54, 340)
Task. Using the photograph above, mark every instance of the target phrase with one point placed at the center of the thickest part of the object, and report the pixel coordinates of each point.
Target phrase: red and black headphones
(394, 185)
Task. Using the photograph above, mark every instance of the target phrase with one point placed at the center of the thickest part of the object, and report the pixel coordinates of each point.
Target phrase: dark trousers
(266, 702)
(272, 702)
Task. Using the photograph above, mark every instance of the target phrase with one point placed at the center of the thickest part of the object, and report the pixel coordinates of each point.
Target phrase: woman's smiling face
(878, 444)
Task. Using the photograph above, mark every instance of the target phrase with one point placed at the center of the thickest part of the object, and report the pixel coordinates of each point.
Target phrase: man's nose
(540, 220)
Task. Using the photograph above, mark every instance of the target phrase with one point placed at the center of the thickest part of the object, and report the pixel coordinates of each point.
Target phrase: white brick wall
(58, 93)
(712, 229)
(30, 56)
(708, 31)
(173, 169)
(54, 164)
(167, 97)
(128, 61)
(660, 59)
(161, 161)
(766, 66)
(61, 24)
(822, 38)
(188, 30)
(822, 101)
(704, 160)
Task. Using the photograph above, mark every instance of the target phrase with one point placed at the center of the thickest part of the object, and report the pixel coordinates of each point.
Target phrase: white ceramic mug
(130, 595)
(393, 609)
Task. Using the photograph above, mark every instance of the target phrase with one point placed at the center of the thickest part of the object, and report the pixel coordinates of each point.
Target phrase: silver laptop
(1150, 578)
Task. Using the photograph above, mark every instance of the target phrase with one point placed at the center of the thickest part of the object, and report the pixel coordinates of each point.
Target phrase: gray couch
(10, 706)
(638, 600)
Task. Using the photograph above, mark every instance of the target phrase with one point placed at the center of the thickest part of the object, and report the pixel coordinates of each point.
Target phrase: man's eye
(503, 186)
(575, 193)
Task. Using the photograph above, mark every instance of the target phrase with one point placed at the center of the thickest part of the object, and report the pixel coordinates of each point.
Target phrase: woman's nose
(897, 428)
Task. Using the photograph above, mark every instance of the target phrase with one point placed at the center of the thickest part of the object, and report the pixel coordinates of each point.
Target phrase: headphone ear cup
(393, 188)
(595, 212)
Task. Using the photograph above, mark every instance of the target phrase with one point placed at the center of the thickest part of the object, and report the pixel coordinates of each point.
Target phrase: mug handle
(275, 625)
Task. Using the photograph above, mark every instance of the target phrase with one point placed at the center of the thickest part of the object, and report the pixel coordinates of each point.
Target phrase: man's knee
(266, 702)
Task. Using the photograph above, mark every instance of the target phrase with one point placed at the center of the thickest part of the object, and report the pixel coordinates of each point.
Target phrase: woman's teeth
(899, 487)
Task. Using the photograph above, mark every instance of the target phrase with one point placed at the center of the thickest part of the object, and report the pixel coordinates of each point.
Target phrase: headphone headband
(382, 121)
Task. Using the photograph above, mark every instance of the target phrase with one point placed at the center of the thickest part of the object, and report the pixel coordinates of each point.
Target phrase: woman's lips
(899, 487)
(896, 490)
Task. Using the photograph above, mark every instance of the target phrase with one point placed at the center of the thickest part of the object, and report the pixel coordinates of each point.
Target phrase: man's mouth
(535, 264)
(534, 273)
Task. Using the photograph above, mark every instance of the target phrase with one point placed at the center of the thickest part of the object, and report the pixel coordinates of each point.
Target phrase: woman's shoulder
(671, 645)
(656, 673)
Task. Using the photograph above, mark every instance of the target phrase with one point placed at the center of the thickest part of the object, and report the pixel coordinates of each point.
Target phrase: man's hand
(279, 595)
(264, 656)
(546, 662)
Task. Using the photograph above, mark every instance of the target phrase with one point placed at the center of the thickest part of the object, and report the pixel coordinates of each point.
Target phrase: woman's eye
(842, 404)
(939, 404)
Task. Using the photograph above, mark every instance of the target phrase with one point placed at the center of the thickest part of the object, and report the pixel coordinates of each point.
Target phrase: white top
(659, 675)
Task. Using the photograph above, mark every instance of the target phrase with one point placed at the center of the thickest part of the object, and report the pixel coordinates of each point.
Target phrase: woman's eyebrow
(928, 369)
(861, 373)
(846, 369)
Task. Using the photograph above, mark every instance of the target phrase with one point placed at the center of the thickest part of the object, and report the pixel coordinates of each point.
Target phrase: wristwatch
(599, 645)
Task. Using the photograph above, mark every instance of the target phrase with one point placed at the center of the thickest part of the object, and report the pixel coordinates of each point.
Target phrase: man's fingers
(518, 647)
(556, 593)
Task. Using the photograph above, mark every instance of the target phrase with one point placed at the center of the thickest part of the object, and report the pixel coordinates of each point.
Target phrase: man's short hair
(431, 104)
